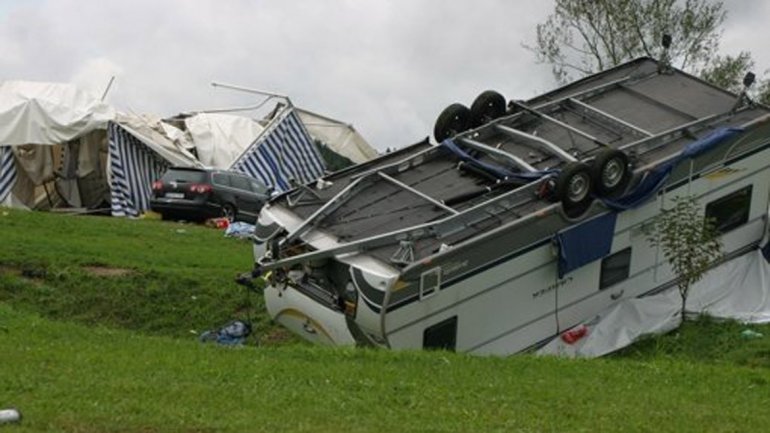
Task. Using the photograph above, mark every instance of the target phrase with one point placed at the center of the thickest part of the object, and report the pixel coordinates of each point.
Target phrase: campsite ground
(98, 332)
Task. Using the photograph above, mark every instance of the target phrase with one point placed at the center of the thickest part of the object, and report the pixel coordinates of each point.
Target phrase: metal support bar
(544, 144)
(491, 150)
(443, 227)
(324, 210)
(412, 161)
(416, 192)
(559, 123)
(609, 117)
(673, 133)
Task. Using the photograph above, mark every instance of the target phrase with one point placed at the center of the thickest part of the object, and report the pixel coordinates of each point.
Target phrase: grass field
(98, 323)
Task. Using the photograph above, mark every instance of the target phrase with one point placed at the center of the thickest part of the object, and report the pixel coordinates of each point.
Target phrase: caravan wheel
(610, 172)
(452, 121)
(487, 107)
(573, 188)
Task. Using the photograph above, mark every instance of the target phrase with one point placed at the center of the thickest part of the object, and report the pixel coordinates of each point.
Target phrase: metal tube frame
(491, 150)
(550, 147)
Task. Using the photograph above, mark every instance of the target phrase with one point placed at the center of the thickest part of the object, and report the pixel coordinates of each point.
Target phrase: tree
(582, 37)
(689, 242)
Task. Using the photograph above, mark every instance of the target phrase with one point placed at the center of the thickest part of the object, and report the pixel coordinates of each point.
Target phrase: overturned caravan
(531, 221)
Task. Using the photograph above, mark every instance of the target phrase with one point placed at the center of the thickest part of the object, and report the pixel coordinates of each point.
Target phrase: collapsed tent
(284, 154)
(62, 147)
(52, 140)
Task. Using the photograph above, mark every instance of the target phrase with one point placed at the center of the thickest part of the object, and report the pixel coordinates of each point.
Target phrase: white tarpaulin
(340, 137)
(221, 138)
(738, 289)
(48, 113)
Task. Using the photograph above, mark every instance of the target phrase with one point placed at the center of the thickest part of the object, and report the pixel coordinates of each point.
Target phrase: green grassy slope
(95, 321)
(67, 377)
(157, 277)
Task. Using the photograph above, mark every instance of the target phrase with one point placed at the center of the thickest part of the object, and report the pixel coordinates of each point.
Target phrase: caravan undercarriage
(504, 235)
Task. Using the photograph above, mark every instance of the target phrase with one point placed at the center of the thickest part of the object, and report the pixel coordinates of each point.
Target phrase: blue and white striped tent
(133, 168)
(7, 172)
(138, 157)
(283, 153)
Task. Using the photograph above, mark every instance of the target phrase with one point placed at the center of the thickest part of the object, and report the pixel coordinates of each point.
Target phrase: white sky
(387, 67)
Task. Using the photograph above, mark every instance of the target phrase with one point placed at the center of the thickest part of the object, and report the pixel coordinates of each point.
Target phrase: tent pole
(107, 89)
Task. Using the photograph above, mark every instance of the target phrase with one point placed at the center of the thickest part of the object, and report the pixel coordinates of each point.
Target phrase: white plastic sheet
(738, 289)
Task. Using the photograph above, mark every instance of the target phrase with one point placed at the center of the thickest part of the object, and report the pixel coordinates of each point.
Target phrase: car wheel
(229, 212)
(452, 121)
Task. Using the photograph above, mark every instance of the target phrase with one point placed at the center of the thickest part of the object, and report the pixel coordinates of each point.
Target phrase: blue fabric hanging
(583, 243)
(654, 179)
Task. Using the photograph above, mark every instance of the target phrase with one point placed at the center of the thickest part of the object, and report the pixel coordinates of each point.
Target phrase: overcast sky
(387, 67)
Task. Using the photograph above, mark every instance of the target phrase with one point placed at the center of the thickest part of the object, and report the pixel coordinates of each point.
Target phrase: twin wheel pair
(576, 185)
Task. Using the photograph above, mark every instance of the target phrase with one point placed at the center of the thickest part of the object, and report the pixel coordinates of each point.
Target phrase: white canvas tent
(50, 138)
(338, 136)
(62, 147)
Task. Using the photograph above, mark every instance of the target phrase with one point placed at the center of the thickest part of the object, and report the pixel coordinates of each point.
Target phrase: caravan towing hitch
(247, 279)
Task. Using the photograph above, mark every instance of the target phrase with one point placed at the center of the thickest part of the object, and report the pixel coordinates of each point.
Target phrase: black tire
(229, 212)
(610, 173)
(573, 188)
(488, 106)
(452, 121)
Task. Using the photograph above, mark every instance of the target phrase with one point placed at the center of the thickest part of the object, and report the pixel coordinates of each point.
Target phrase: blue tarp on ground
(654, 179)
(583, 243)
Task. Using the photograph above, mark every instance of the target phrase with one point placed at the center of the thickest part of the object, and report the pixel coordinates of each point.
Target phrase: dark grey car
(196, 194)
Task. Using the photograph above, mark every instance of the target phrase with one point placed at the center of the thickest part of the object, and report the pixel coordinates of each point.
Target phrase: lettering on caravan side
(551, 288)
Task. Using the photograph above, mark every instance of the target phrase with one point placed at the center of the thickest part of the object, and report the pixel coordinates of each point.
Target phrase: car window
(240, 182)
(258, 187)
(184, 176)
(221, 179)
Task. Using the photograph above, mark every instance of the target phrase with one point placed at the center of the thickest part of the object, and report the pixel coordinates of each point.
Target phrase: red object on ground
(571, 336)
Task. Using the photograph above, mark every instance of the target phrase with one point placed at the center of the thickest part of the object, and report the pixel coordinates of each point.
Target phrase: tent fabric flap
(7, 172)
(340, 137)
(284, 153)
(133, 168)
(585, 242)
(48, 113)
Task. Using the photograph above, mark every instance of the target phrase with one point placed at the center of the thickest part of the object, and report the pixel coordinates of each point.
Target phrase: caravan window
(730, 211)
(442, 335)
(615, 268)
